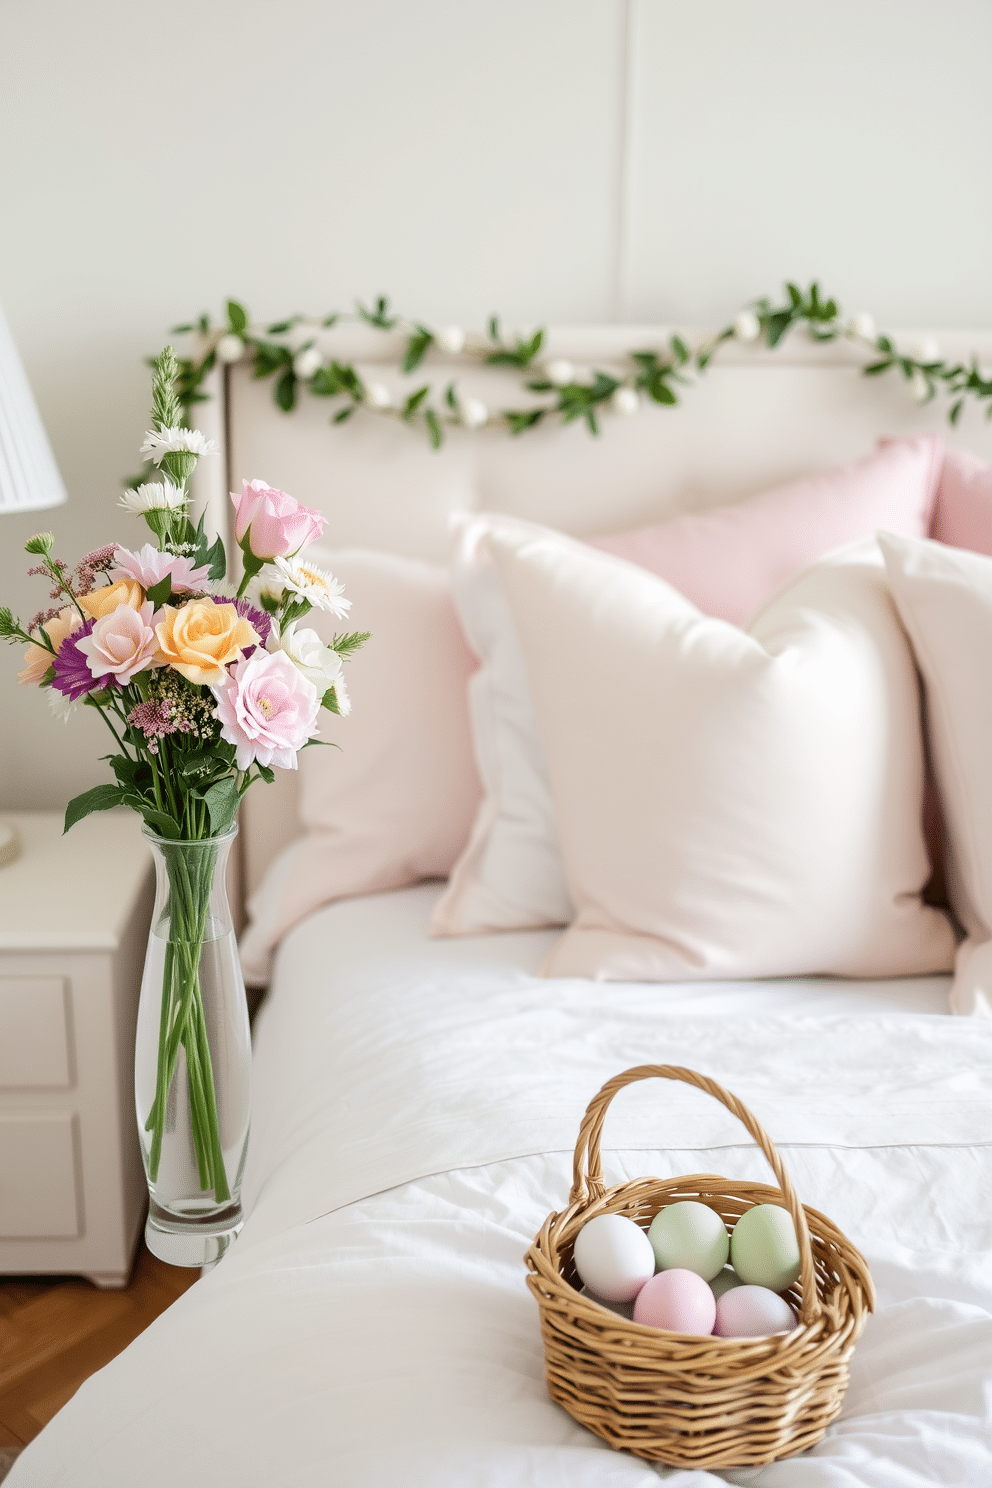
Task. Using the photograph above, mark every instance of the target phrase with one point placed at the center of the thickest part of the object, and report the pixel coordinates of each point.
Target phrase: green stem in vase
(183, 1021)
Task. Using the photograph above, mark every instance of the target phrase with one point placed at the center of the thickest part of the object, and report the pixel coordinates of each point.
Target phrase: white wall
(557, 160)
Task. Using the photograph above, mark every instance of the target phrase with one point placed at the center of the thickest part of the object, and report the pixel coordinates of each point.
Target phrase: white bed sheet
(415, 1109)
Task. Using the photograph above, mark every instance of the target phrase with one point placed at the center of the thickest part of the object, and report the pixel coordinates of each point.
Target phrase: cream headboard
(756, 418)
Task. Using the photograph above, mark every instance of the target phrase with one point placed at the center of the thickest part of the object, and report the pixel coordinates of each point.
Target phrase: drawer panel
(34, 1033)
(38, 1197)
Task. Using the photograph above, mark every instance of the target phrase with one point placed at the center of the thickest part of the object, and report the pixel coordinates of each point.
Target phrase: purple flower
(72, 672)
(260, 622)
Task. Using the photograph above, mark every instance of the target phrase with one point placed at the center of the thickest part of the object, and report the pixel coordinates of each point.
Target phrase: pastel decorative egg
(752, 1312)
(613, 1257)
(724, 1281)
(764, 1250)
(690, 1236)
(622, 1309)
(678, 1300)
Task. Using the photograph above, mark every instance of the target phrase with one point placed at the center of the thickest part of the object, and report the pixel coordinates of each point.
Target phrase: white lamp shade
(29, 476)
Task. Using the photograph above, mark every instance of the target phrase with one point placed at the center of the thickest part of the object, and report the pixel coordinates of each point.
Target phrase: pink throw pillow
(729, 560)
(395, 803)
(963, 514)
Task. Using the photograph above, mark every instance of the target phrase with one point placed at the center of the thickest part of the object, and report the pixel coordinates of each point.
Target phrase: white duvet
(416, 1105)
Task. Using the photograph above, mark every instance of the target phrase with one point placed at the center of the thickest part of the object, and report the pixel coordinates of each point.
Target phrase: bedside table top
(74, 892)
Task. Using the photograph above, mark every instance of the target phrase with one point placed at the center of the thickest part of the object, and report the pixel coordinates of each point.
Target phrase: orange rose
(202, 638)
(39, 658)
(100, 602)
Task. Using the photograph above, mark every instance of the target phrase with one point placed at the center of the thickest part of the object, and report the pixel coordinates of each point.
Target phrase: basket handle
(590, 1180)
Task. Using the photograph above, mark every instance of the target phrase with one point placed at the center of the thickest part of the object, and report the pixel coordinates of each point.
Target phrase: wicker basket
(686, 1401)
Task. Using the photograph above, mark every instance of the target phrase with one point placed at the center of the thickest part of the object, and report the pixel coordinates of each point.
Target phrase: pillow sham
(731, 803)
(963, 510)
(395, 803)
(727, 561)
(944, 599)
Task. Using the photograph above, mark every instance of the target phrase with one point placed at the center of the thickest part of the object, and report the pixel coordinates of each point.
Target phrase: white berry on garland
(230, 348)
(306, 362)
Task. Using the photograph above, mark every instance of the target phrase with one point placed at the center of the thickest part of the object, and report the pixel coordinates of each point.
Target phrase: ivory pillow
(396, 801)
(944, 598)
(731, 803)
(727, 561)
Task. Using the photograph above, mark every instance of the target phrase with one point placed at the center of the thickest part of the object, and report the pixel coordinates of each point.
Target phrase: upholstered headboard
(754, 419)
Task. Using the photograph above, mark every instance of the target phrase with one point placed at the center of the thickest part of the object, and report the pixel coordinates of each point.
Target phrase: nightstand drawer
(35, 1051)
(38, 1176)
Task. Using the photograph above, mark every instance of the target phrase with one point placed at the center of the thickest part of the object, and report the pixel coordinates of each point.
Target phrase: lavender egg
(752, 1312)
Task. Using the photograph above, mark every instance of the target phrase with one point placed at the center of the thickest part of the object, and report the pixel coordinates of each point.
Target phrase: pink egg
(677, 1300)
(752, 1312)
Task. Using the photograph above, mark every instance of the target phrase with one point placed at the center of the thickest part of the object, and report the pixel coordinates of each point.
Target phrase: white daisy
(154, 496)
(161, 442)
(322, 589)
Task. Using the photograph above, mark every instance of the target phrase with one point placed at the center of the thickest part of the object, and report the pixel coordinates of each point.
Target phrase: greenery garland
(569, 394)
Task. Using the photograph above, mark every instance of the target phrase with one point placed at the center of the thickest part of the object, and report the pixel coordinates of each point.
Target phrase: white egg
(613, 1257)
(752, 1312)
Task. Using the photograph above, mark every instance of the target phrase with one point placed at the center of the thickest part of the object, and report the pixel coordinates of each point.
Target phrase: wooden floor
(57, 1331)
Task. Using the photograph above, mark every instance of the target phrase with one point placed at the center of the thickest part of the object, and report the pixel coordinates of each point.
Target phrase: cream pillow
(730, 803)
(944, 598)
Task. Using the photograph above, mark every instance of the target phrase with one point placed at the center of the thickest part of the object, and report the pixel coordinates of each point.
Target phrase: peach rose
(39, 658)
(203, 638)
(100, 602)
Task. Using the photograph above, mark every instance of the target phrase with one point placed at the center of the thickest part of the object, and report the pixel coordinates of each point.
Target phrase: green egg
(764, 1250)
(724, 1281)
(691, 1236)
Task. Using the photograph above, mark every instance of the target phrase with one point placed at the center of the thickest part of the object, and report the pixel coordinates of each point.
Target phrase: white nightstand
(74, 917)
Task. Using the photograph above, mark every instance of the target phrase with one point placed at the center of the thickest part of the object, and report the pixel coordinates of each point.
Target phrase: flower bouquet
(204, 690)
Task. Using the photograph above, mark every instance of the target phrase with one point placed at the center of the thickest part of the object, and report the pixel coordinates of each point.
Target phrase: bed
(417, 1098)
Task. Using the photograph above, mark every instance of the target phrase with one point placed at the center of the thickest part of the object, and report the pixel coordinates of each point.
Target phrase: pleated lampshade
(29, 476)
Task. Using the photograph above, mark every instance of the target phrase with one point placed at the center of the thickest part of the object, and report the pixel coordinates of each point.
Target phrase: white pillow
(510, 876)
(944, 597)
(730, 803)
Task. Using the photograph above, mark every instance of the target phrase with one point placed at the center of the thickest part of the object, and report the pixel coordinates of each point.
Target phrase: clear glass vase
(192, 1065)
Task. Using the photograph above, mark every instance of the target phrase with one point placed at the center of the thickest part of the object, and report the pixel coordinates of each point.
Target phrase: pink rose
(121, 643)
(150, 567)
(267, 710)
(271, 524)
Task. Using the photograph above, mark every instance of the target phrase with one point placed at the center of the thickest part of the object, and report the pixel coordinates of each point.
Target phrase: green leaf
(222, 803)
(955, 412)
(521, 421)
(162, 824)
(884, 344)
(269, 358)
(414, 401)
(449, 397)
(680, 349)
(346, 645)
(285, 390)
(778, 324)
(591, 421)
(100, 798)
(203, 324)
(237, 317)
(494, 328)
(280, 328)
(330, 701)
(379, 316)
(330, 320)
(217, 558)
(434, 429)
(161, 592)
(874, 368)
(182, 330)
(266, 773)
(344, 414)
(795, 295)
(416, 348)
